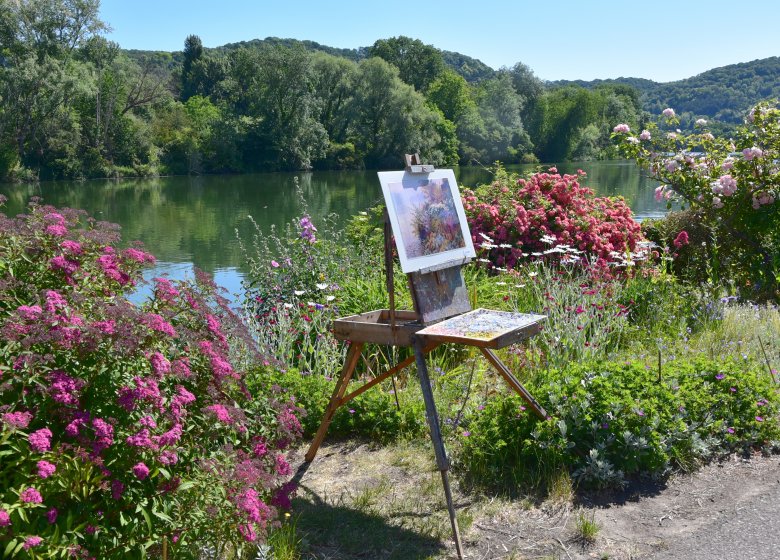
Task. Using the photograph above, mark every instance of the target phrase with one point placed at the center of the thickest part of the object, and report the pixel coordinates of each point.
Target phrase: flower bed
(125, 426)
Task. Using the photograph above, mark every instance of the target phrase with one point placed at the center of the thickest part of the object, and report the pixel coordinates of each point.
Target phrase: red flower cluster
(517, 213)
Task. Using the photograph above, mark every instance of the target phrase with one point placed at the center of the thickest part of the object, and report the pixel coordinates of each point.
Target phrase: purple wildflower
(40, 440)
(32, 542)
(31, 496)
(141, 471)
(46, 469)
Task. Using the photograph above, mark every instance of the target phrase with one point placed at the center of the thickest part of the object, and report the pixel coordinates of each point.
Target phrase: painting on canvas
(427, 216)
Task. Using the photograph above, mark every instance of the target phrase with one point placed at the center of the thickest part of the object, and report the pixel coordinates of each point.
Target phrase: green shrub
(124, 426)
(611, 421)
(372, 415)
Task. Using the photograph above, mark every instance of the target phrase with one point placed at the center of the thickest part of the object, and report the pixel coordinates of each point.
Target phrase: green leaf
(146, 516)
(9, 548)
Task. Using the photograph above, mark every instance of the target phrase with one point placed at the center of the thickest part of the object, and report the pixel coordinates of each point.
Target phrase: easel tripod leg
(438, 443)
(353, 354)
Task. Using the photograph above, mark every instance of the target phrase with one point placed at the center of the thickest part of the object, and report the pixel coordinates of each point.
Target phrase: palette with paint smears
(485, 328)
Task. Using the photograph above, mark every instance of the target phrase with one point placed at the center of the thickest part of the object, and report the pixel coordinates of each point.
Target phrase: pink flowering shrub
(517, 217)
(108, 438)
(729, 187)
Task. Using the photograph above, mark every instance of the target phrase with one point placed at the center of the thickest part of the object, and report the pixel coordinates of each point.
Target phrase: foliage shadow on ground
(336, 531)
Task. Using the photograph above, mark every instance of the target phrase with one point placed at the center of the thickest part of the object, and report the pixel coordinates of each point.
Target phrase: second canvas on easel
(427, 217)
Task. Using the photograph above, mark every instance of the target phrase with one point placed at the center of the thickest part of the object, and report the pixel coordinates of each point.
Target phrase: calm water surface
(192, 221)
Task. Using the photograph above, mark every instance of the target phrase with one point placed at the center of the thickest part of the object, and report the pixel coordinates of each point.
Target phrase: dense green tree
(391, 118)
(418, 64)
(193, 54)
(40, 80)
(451, 94)
(47, 28)
(281, 104)
(333, 83)
(499, 107)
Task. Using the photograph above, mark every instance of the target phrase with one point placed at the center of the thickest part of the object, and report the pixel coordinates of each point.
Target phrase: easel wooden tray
(485, 328)
(375, 327)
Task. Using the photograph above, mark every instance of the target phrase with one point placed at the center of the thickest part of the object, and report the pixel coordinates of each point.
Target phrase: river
(192, 221)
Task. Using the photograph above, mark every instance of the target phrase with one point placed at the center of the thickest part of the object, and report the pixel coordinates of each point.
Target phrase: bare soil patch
(357, 501)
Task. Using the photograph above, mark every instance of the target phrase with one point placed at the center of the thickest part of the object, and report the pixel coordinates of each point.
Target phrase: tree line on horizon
(75, 105)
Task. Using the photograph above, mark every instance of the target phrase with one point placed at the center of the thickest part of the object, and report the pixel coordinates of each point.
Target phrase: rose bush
(515, 217)
(124, 426)
(730, 186)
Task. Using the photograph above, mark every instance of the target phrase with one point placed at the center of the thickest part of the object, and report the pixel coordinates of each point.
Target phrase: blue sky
(657, 39)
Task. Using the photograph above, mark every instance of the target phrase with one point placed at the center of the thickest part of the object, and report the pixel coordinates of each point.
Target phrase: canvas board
(427, 217)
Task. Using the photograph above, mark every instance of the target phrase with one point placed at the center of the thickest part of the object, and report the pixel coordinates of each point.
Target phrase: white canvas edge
(427, 261)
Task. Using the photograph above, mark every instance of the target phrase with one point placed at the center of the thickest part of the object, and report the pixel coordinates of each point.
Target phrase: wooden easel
(441, 310)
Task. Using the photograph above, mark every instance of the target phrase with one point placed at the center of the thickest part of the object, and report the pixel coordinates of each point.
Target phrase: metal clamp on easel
(413, 164)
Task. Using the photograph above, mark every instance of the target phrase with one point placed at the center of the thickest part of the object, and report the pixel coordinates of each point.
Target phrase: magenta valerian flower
(16, 420)
(141, 471)
(64, 264)
(55, 301)
(668, 112)
(105, 327)
(248, 532)
(171, 437)
(212, 323)
(72, 247)
(141, 439)
(46, 469)
(139, 256)
(63, 388)
(164, 290)
(160, 364)
(622, 128)
(51, 515)
(104, 435)
(274, 264)
(40, 440)
(31, 496)
(29, 312)
(168, 457)
(57, 230)
(32, 542)
(221, 413)
(5, 518)
(282, 466)
(157, 323)
(645, 135)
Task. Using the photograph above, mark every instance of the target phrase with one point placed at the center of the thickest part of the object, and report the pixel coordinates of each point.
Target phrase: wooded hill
(725, 94)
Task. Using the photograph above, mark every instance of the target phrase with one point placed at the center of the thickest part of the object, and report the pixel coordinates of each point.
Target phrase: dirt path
(358, 502)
